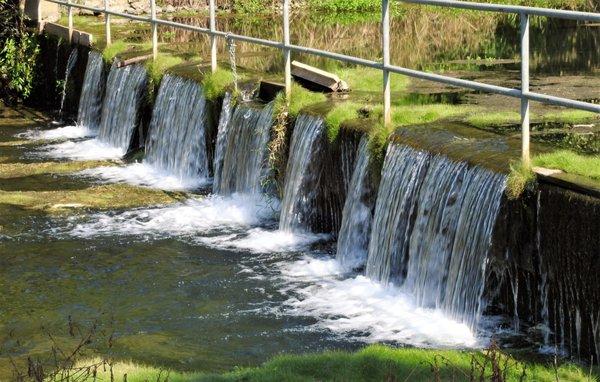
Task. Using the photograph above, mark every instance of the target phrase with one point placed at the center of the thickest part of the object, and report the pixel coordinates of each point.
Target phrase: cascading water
(70, 65)
(176, 143)
(222, 140)
(299, 190)
(241, 154)
(90, 103)
(124, 93)
(357, 216)
(432, 230)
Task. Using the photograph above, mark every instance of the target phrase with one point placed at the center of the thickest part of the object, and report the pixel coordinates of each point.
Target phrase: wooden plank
(316, 76)
(134, 60)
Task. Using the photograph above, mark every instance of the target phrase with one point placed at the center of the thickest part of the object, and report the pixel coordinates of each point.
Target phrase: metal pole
(213, 37)
(287, 56)
(385, 40)
(70, 17)
(525, 88)
(107, 23)
(154, 29)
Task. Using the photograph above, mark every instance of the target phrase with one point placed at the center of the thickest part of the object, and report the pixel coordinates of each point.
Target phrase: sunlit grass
(371, 80)
(487, 119)
(570, 162)
(158, 67)
(216, 84)
(520, 177)
(339, 114)
(373, 363)
(111, 51)
(302, 98)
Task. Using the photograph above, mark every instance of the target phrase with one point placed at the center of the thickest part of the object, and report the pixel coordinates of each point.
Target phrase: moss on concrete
(216, 84)
(97, 197)
(15, 170)
(519, 179)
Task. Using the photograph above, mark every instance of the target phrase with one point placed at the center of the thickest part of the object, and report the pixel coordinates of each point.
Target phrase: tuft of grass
(158, 67)
(482, 119)
(113, 50)
(570, 162)
(373, 363)
(301, 98)
(216, 84)
(339, 114)
(520, 178)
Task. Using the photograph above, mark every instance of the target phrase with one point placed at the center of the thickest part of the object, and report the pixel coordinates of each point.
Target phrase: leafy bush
(18, 54)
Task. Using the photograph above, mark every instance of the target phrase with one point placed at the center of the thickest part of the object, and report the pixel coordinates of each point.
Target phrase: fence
(524, 94)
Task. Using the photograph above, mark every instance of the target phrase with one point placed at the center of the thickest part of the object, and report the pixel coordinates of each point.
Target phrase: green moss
(113, 50)
(371, 80)
(520, 177)
(15, 170)
(157, 68)
(570, 162)
(339, 114)
(301, 98)
(216, 84)
(100, 197)
(373, 363)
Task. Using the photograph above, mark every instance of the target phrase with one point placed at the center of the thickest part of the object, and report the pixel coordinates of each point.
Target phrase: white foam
(189, 219)
(364, 310)
(65, 132)
(259, 240)
(142, 174)
(91, 149)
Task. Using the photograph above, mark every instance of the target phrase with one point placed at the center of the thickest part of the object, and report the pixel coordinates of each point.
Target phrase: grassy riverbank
(373, 363)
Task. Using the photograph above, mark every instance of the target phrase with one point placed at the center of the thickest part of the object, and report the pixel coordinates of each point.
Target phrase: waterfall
(357, 216)
(432, 230)
(241, 154)
(222, 137)
(70, 65)
(124, 93)
(177, 142)
(90, 103)
(300, 180)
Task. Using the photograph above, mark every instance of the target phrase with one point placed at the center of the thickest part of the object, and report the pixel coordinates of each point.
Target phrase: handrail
(386, 67)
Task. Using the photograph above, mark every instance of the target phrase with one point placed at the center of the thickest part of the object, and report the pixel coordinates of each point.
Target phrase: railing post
(107, 23)
(154, 29)
(70, 17)
(287, 56)
(385, 45)
(525, 88)
(213, 38)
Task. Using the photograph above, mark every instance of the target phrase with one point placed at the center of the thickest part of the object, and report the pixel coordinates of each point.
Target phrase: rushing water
(90, 103)
(357, 217)
(70, 65)
(124, 93)
(222, 140)
(432, 230)
(299, 190)
(242, 151)
(177, 140)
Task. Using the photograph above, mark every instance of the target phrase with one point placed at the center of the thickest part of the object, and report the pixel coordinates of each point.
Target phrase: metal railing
(524, 94)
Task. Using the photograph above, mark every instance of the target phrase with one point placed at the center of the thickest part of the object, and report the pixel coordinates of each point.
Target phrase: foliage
(570, 162)
(111, 51)
(339, 114)
(156, 68)
(18, 53)
(520, 178)
(301, 98)
(216, 84)
(345, 5)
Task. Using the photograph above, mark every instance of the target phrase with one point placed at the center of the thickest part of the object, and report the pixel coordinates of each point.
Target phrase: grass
(339, 114)
(371, 80)
(216, 84)
(113, 50)
(300, 99)
(519, 179)
(373, 363)
(16, 170)
(482, 119)
(571, 163)
(100, 197)
(157, 68)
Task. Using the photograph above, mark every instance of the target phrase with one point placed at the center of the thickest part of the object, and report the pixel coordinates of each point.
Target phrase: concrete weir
(433, 217)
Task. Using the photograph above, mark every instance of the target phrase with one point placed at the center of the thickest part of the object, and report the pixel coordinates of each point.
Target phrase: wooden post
(525, 88)
(154, 29)
(287, 56)
(70, 17)
(385, 42)
(107, 23)
(213, 38)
